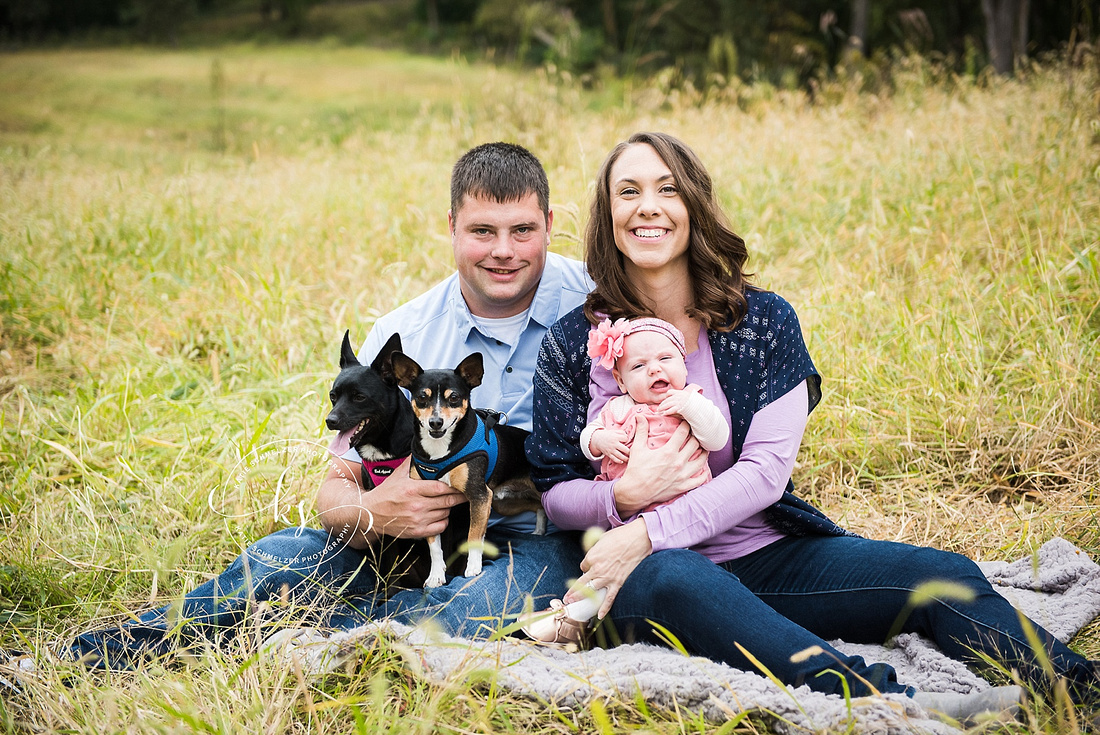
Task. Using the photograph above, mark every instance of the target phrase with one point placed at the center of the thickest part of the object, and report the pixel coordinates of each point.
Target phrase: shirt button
(508, 369)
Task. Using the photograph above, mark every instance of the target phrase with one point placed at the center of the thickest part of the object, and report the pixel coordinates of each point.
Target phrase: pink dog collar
(375, 472)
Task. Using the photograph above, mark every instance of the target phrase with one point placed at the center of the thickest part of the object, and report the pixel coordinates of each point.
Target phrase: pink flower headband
(605, 341)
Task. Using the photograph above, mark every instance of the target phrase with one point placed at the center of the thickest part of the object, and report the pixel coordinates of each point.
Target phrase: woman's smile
(649, 217)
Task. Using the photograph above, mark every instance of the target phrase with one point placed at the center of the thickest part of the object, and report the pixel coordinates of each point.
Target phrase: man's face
(500, 251)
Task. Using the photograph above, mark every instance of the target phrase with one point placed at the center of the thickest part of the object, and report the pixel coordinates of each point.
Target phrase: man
(506, 293)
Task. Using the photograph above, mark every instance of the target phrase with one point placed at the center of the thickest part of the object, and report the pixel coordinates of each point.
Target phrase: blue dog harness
(484, 442)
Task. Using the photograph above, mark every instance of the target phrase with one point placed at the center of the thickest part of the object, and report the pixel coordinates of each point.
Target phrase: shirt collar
(543, 309)
(464, 321)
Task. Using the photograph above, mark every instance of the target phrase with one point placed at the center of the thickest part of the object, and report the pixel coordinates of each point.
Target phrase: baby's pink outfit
(707, 425)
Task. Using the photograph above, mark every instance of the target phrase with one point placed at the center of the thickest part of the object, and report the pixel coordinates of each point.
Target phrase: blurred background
(785, 42)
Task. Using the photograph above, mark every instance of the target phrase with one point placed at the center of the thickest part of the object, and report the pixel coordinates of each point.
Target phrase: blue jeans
(307, 577)
(800, 592)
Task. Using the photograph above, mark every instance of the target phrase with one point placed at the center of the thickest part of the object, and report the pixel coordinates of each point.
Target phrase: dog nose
(330, 422)
(435, 423)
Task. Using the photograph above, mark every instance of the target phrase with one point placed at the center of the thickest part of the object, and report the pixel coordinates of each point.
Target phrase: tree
(1005, 32)
(432, 9)
(610, 27)
(857, 37)
(160, 20)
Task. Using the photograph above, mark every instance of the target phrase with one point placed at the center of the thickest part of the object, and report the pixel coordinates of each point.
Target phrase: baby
(646, 358)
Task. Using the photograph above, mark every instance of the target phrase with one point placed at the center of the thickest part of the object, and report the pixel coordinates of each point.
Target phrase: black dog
(468, 449)
(369, 401)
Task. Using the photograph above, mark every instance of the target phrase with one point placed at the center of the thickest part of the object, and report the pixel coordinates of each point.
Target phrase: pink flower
(606, 342)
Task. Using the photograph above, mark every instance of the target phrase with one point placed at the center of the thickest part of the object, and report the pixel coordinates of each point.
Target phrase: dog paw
(472, 570)
(435, 581)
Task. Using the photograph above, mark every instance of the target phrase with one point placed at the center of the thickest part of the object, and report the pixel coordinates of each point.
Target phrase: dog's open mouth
(436, 434)
(358, 431)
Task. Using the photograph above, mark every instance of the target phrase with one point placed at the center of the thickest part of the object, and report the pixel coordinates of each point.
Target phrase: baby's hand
(609, 443)
(675, 402)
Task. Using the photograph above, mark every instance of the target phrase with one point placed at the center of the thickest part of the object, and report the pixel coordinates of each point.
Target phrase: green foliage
(32, 595)
(722, 57)
(291, 13)
(25, 317)
(530, 31)
(784, 43)
(160, 20)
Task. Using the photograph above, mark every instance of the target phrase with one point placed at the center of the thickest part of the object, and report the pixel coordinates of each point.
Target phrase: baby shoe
(554, 626)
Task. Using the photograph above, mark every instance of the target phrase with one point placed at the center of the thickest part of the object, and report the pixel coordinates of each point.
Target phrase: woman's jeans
(799, 592)
(303, 576)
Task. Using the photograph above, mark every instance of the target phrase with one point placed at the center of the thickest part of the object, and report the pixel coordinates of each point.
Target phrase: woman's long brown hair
(716, 255)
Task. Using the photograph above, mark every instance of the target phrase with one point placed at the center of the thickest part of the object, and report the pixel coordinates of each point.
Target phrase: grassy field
(184, 237)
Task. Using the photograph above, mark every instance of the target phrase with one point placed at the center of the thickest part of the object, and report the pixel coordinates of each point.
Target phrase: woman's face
(649, 218)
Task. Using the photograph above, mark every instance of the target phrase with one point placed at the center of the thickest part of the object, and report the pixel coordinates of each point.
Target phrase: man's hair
(502, 172)
(716, 255)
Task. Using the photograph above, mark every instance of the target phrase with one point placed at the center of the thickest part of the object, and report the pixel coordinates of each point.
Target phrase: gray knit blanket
(1059, 588)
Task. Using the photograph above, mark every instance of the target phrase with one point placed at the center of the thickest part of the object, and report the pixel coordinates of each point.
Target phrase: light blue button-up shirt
(438, 331)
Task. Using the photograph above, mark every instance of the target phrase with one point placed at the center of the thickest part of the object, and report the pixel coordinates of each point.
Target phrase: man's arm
(400, 506)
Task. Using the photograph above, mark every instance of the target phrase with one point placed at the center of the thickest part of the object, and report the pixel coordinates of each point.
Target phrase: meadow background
(185, 236)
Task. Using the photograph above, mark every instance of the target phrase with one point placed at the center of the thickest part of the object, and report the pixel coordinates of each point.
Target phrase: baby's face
(649, 367)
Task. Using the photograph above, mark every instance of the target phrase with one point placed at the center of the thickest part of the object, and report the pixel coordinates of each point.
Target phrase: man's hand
(657, 475)
(408, 508)
(609, 443)
(400, 506)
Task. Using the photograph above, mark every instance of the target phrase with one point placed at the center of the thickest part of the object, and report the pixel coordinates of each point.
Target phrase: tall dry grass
(185, 236)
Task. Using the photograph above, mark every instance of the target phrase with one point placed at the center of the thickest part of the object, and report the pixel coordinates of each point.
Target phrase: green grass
(184, 237)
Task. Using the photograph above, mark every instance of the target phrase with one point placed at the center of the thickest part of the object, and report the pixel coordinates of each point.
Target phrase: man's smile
(502, 271)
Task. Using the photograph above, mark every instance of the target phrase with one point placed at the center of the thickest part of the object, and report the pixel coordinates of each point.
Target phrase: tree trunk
(610, 27)
(857, 37)
(1002, 18)
(433, 17)
(1019, 45)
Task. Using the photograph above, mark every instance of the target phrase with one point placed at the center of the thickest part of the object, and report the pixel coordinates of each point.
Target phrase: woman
(737, 564)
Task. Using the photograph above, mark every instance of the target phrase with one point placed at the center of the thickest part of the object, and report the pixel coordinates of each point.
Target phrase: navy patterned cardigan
(757, 362)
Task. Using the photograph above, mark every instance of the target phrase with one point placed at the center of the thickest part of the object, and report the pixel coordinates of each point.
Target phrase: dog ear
(383, 362)
(471, 370)
(405, 369)
(347, 354)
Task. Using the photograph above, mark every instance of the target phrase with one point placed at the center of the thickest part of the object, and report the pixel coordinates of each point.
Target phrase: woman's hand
(657, 475)
(610, 561)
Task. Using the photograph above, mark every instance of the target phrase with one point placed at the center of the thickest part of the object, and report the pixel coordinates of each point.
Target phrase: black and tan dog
(468, 449)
